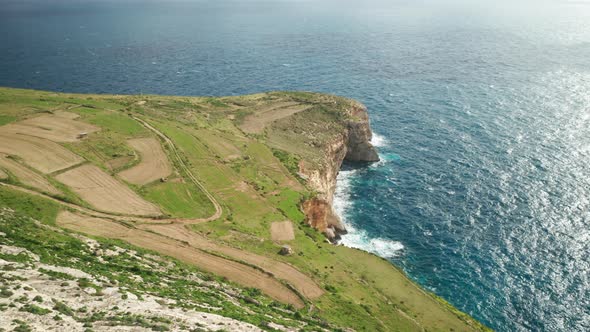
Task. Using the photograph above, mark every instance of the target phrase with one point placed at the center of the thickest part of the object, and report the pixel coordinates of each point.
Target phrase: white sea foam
(378, 140)
(358, 238)
(379, 246)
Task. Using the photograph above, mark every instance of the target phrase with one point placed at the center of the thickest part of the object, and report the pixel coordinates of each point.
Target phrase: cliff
(245, 151)
(353, 144)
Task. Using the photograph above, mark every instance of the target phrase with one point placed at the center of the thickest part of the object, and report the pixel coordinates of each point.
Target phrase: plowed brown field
(154, 163)
(27, 176)
(282, 231)
(234, 271)
(55, 128)
(41, 154)
(106, 193)
(304, 284)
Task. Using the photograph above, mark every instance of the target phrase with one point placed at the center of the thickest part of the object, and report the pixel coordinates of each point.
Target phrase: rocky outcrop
(354, 144)
(358, 145)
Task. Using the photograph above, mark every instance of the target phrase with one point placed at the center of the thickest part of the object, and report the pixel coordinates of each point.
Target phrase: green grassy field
(253, 179)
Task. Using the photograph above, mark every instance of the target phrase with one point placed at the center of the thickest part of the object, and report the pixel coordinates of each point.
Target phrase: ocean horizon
(480, 112)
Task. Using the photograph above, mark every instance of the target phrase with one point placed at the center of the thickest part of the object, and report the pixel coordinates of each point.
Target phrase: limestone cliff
(353, 144)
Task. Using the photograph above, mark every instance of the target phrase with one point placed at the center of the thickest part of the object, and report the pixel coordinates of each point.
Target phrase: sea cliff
(353, 144)
(260, 158)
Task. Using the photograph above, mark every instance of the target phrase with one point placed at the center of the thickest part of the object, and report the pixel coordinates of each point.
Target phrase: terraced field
(154, 163)
(212, 183)
(56, 128)
(105, 193)
(26, 176)
(42, 154)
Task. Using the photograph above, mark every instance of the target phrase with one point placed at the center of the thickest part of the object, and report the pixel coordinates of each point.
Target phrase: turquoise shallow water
(482, 113)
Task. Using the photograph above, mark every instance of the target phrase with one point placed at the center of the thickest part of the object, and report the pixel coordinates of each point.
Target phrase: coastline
(342, 286)
(356, 237)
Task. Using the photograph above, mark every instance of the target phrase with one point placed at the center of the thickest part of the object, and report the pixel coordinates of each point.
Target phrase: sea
(481, 114)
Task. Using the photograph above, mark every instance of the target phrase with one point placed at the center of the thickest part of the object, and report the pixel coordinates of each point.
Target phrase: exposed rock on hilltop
(245, 177)
(358, 146)
(337, 129)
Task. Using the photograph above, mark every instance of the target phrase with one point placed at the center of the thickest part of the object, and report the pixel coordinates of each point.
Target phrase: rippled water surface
(482, 114)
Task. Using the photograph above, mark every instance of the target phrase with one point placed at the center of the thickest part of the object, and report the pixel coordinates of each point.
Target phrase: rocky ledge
(353, 144)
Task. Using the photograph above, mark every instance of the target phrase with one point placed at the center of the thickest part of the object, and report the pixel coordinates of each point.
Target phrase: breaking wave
(378, 140)
(358, 238)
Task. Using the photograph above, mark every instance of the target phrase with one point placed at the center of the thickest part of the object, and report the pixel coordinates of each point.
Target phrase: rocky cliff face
(354, 144)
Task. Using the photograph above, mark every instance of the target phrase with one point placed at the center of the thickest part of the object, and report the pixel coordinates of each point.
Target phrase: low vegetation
(244, 180)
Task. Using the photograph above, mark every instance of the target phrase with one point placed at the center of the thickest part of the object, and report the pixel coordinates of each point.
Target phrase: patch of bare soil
(51, 127)
(303, 283)
(27, 176)
(119, 162)
(41, 154)
(105, 193)
(154, 163)
(256, 122)
(234, 271)
(66, 115)
(282, 231)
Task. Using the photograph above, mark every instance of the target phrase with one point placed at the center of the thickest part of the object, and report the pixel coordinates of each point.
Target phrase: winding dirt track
(218, 210)
(234, 271)
(172, 237)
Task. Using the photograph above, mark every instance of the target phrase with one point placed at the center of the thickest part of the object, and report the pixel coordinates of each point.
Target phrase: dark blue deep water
(482, 112)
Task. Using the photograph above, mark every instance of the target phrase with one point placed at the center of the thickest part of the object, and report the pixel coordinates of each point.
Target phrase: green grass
(288, 203)
(117, 122)
(28, 205)
(102, 146)
(63, 249)
(179, 199)
(254, 178)
(5, 119)
(35, 309)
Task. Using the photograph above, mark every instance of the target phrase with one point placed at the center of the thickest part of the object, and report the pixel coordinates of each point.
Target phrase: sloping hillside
(185, 203)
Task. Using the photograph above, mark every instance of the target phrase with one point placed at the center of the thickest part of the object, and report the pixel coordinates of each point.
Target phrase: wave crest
(358, 238)
(378, 140)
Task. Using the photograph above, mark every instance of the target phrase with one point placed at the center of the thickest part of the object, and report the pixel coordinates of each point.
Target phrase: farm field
(104, 192)
(154, 163)
(56, 128)
(42, 154)
(256, 122)
(210, 183)
(26, 176)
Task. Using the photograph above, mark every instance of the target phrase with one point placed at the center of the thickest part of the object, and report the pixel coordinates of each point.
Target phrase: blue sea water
(481, 110)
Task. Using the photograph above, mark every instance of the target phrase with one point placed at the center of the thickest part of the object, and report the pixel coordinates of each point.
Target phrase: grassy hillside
(229, 172)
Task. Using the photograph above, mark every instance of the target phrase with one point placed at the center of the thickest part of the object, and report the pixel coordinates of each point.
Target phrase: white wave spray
(358, 238)
(378, 140)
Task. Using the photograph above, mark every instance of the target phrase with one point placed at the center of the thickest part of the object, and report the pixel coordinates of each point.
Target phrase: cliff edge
(353, 145)
(327, 132)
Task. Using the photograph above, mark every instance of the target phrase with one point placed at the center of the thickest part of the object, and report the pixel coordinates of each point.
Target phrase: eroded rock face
(358, 146)
(353, 145)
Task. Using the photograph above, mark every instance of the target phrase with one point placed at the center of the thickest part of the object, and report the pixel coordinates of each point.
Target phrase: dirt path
(218, 210)
(171, 237)
(304, 284)
(232, 270)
